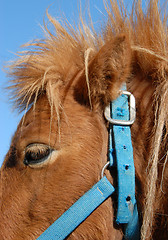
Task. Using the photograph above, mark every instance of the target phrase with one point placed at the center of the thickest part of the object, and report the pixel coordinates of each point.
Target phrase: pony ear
(105, 74)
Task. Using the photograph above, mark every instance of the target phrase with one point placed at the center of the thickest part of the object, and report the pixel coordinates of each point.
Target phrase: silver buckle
(132, 111)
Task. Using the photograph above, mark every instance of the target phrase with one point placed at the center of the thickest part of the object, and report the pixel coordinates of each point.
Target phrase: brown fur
(49, 82)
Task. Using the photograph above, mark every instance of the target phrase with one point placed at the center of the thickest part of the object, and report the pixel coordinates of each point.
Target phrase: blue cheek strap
(121, 114)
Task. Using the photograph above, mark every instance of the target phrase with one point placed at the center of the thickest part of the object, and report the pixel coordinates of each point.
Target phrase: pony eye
(36, 154)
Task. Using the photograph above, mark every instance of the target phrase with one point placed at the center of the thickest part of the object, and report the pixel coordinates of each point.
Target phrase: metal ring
(104, 168)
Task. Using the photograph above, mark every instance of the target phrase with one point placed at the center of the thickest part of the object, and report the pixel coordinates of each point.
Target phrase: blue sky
(19, 23)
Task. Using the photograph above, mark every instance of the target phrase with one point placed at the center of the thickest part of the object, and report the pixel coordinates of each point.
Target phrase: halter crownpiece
(120, 116)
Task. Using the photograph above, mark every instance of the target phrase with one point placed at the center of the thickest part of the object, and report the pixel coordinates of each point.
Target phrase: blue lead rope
(79, 211)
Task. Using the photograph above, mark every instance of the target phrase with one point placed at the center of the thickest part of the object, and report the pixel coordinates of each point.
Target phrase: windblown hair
(149, 40)
(51, 63)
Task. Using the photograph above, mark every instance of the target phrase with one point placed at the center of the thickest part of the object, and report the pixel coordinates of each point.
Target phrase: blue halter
(120, 117)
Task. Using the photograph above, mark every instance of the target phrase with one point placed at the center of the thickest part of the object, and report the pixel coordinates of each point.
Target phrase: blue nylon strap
(123, 159)
(79, 211)
(131, 231)
(125, 165)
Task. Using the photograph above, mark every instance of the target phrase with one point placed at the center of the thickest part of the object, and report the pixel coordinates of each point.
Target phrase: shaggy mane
(50, 63)
(53, 62)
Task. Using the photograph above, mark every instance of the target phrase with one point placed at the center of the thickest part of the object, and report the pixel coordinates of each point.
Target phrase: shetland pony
(63, 84)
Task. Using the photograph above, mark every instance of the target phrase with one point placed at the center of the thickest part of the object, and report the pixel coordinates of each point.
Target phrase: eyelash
(36, 154)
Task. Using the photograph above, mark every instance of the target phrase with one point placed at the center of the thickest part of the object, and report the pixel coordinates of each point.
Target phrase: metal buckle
(132, 111)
